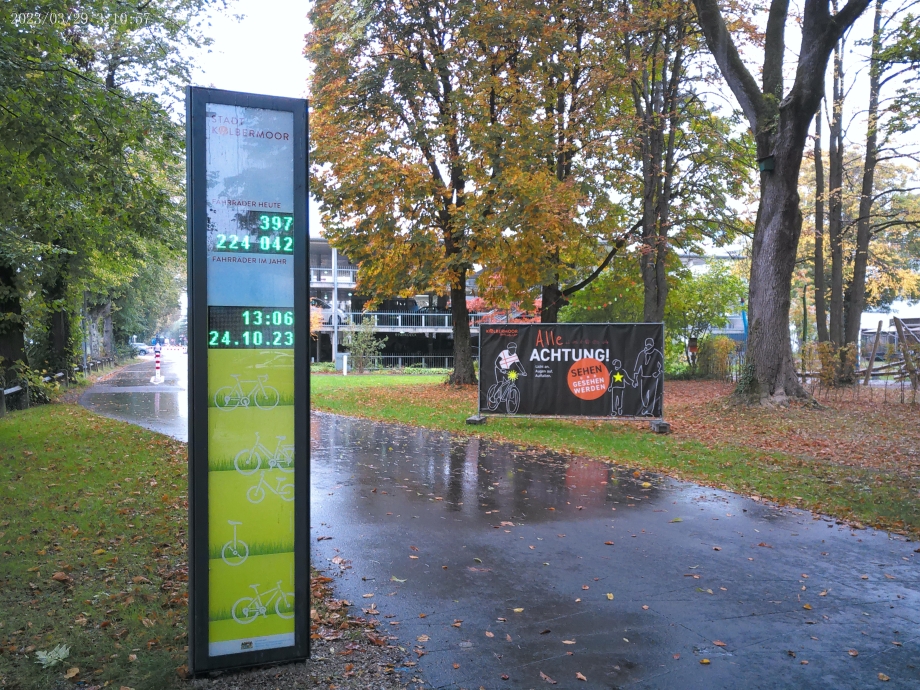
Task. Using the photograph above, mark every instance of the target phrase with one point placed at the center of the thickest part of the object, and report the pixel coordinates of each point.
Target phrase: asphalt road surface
(129, 395)
(496, 566)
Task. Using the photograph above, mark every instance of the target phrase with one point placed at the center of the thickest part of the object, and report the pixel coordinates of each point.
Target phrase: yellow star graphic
(512, 375)
(618, 377)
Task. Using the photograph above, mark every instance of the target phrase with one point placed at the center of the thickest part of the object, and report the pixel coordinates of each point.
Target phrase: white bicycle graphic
(236, 550)
(247, 609)
(249, 460)
(257, 493)
(264, 397)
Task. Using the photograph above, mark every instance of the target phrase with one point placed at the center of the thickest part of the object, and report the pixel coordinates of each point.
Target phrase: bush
(714, 357)
(363, 346)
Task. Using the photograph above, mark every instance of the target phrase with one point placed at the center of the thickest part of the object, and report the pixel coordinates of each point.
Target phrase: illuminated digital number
(288, 244)
(264, 222)
(289, 337)
(252, 338)
(277, 222)
(288, 318)
(265, 243)
(276, 318)
(212, 338)
(221, 242)
(234, 242)
(245, 242)
(288, 222)
(225, 340)
(276, 338)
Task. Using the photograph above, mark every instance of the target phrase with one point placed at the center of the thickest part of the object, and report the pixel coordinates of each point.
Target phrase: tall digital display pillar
(248, 384)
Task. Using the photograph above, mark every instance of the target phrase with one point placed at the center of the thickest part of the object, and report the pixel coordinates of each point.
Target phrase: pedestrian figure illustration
(647, 375)
(618, 380)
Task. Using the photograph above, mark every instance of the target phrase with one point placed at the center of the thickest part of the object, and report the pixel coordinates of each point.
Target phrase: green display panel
(247, 239)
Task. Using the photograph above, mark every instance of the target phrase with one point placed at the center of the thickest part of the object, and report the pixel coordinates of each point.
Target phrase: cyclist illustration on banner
(618, 380)
(508, 368)
(647, 375)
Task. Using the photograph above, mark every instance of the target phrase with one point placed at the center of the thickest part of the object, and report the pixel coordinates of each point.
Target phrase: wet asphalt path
(129, 395)
(485, 561)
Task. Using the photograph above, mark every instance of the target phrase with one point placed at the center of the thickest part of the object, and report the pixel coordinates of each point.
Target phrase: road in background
(129, 396)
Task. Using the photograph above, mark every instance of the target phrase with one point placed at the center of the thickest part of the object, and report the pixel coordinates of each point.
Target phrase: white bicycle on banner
(282, 488)
(236, 550)
(264, 397)
(249, 460)
(247, 609)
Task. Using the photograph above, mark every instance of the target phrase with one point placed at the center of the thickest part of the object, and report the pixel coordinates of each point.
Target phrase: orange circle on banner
(588, 378)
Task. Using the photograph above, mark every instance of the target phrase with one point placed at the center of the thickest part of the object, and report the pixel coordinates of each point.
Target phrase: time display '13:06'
(250, 327)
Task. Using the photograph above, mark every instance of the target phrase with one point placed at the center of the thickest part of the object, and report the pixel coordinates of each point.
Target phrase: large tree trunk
(857, 292)
(820, 307)
(780, 124)
(835, 199)
(12, 341)
(552, 301)
(464, 372)
(771, 375)
(654, 279)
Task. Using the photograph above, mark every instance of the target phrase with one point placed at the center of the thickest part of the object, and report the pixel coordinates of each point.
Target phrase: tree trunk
(553, 300)
(108, 333)
(835, 200)
(12, 341)
(780, 124)
(820, 308)
(771, 376)
(464, 372)
(857, 301)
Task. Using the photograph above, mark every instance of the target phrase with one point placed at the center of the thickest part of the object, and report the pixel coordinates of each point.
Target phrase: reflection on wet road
(128, 395)
(486, 560)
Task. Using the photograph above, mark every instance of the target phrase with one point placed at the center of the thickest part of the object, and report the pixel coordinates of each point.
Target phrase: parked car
(139, 349)
(325, 309)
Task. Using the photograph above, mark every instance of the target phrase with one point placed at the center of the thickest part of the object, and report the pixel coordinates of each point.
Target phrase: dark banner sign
(580, 370)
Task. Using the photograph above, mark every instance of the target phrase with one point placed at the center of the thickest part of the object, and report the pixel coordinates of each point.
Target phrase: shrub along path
(854, 458)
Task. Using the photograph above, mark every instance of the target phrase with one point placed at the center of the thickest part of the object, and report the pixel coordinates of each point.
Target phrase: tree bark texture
(552, 301)
(857, 301)
(464, 372)
(12, 341)
(835, 199)
(780, 124)
(820, 307)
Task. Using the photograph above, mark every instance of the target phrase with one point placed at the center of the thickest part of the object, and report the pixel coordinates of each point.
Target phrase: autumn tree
(390, 148)
(780, 121)
(685, 160)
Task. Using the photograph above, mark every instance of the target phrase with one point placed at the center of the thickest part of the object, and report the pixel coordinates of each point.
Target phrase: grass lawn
(858, 459)
(92, 550)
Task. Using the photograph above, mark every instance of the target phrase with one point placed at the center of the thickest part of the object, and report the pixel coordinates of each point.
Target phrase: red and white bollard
(157, 378)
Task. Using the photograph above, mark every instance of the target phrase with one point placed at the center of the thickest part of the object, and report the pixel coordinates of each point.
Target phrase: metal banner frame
(201, 656)
(590, 389)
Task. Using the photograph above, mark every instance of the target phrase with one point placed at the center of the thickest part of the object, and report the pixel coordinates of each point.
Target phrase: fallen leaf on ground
(807, 607)
(718, 643)
(882, 676)
(676, 656)
(608, 543)
(568, 642)
(677, 519)
(490, 634)
(645, 607)
(547, 678)
(72, 672)
(609, 595)
(519, 610)
(456, 666)
(705, 662)
(853, 652)
(581, 677)
(367, 596)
